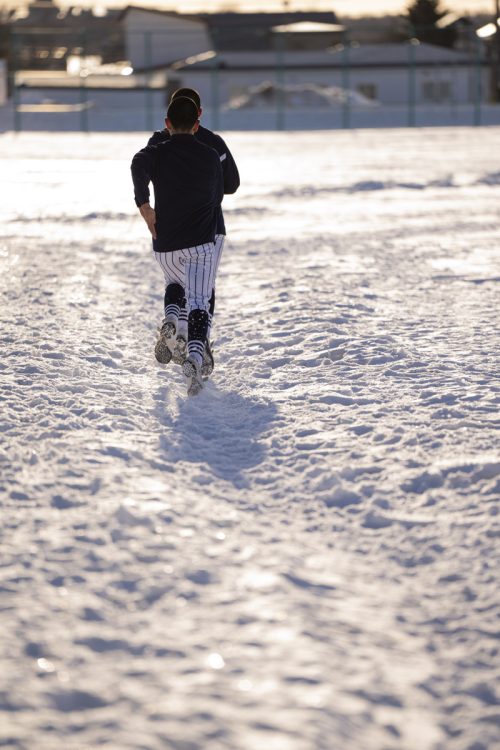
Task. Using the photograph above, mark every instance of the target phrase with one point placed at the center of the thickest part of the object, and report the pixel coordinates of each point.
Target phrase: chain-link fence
(68, 82)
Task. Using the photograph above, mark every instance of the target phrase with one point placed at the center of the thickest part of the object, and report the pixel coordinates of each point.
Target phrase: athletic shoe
(207, 366)
(162, 352)
(192, 371)
(163, 347)
(168, 329)
(179, 350)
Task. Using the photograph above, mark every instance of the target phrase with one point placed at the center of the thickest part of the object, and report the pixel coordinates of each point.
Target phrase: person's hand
(149, 216)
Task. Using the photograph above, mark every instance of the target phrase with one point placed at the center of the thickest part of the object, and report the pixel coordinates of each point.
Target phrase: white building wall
(392, 86)
(154, 39)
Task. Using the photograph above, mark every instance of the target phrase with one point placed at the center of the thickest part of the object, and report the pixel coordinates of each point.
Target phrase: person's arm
(149, 215)
(142, 169)
(229, 168)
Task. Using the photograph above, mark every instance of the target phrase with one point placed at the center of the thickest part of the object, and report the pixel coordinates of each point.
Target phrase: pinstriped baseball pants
(193, 268)
(183, 316)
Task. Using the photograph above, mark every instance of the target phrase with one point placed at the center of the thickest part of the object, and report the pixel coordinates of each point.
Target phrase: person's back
(229, 169)
(188, 205)
(187, 192)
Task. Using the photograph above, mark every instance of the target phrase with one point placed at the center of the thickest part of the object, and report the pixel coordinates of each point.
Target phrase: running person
(231, 185)
(188, 186)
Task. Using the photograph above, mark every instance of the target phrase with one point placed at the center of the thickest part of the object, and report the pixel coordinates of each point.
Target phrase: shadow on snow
(221, 429)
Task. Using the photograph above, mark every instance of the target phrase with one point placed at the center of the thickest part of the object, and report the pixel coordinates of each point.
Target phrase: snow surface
(304, 557)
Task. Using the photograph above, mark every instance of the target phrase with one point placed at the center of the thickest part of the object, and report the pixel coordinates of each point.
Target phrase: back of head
(190, 93)
(182, 113)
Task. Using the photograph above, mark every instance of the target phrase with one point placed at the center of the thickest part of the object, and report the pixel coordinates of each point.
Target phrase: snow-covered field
(304, 557)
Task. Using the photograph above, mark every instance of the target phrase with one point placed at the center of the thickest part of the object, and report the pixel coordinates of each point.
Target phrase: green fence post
(346, 104)
(478, 88)
(280, 82)
(411, 82)
(148, 57)
(84, 121)
(13, 78)
(215, 95)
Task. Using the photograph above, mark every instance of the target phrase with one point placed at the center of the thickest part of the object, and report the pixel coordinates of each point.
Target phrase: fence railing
(61, 81)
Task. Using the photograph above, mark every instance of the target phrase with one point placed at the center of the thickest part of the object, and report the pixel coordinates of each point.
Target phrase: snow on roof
(450, 19)
(308, 27)
(399, 54)
(367, 55)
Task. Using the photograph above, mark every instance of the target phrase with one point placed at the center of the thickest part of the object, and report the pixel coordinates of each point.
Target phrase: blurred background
(107, 66)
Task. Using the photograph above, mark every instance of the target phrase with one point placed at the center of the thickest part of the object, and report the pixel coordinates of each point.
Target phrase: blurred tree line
(424, 17)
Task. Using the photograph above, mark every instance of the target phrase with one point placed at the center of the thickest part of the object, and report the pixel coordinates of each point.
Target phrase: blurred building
(45, 36)
(233, 58)
(256, 32)
(156, 38)
(378, 72)
(231, 55)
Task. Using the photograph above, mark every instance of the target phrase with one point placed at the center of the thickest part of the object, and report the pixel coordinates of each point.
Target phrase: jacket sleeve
(142, 168)
(229, 169)
(220, 184)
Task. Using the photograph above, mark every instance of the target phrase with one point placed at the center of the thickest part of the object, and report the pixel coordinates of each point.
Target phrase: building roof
(267, 20)
(400, 54)
(366, 56)
(250, 31)
(155, 11)
(254, 31)
(45, 16)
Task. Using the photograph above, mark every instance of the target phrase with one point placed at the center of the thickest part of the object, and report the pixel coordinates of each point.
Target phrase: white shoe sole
(195, 384)
(162, 352)
(179, 351)
(207, 366)
(168, 330)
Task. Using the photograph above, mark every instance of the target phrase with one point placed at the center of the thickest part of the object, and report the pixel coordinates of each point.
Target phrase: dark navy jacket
(188, 187)
(229, 168)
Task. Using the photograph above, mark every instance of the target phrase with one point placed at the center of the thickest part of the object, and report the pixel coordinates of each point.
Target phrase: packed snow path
(304, 557)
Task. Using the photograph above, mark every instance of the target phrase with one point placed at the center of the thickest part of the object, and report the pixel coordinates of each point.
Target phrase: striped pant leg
(172, 265)
(178, 261)
(218, 248)
(199, 281)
